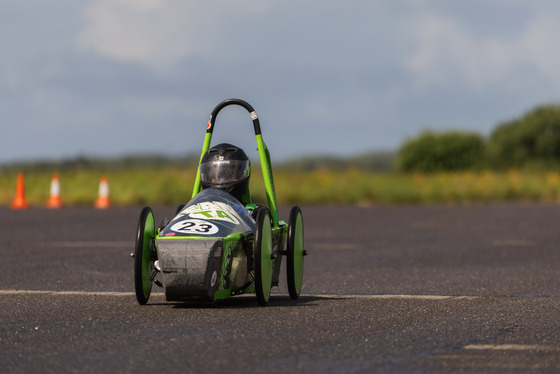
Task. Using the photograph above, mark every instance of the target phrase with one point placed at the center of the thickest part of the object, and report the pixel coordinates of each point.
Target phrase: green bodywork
(231, 259)
(278, 229)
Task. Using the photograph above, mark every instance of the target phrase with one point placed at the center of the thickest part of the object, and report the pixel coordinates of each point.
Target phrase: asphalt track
(386, 289)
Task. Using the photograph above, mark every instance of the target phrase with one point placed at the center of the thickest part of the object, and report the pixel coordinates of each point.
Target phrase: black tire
(144, 255)
(262, 251)
(295, 252)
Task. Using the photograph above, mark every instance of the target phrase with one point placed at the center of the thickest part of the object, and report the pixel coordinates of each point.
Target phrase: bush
(532, 140)
(447, 151)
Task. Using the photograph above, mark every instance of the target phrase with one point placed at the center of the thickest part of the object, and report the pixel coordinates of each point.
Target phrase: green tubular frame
(264, 154)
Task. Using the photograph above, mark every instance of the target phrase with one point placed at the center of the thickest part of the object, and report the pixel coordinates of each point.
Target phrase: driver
(227, 168)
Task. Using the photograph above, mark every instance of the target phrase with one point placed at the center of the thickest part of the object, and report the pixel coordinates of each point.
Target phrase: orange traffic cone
(19, 202)
(54, 201)
(103, 201)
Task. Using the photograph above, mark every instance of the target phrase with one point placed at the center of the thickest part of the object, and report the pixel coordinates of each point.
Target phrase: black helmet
(228, 168)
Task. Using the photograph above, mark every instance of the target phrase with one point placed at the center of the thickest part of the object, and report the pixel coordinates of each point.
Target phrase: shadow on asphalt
(245, 302)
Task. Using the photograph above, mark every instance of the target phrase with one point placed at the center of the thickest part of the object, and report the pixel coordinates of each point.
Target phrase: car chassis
(217, 247)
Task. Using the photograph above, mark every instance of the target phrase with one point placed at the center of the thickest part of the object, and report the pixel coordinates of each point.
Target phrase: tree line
(530, 141)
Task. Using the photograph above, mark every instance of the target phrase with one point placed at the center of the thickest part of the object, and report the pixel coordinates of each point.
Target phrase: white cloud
(147, 32)
(447, 50)
(161, 33)
(386, 68)
(539, 45)
(439, 46)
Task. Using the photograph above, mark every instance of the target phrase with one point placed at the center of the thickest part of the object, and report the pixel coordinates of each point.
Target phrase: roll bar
(264, 154)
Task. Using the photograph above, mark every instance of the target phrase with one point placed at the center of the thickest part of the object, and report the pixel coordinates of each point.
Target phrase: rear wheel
(262, 250)
(144, 256)
(295, 252)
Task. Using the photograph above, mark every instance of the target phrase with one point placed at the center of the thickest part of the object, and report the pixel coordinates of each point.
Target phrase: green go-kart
(216, 246)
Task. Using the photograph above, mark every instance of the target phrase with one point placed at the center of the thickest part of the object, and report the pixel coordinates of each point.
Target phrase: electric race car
(220, 243)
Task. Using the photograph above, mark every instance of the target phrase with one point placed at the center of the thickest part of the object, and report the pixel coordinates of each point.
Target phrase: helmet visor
(221, 173)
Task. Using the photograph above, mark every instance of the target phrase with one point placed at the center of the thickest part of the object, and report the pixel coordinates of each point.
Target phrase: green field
(170, 186)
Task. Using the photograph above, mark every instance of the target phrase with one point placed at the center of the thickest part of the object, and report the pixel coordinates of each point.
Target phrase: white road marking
(512, 347)
(338, 246)
(63, 293)
(514, 243)
(474, 347)
(91, 244)
(329, 296)
(395, 296)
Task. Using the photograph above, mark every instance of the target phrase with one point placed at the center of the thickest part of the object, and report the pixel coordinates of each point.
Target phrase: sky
(107, 78)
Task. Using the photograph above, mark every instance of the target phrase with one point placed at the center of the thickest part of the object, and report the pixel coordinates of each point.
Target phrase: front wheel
(295, 252)
(262, 250)
(144, 256)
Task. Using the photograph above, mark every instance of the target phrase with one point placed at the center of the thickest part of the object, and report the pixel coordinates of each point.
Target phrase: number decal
(212, 210)
(204, 228)
(186, 226)
(195, 227)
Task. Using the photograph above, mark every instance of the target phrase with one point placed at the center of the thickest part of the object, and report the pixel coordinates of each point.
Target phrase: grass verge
(170, 186)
